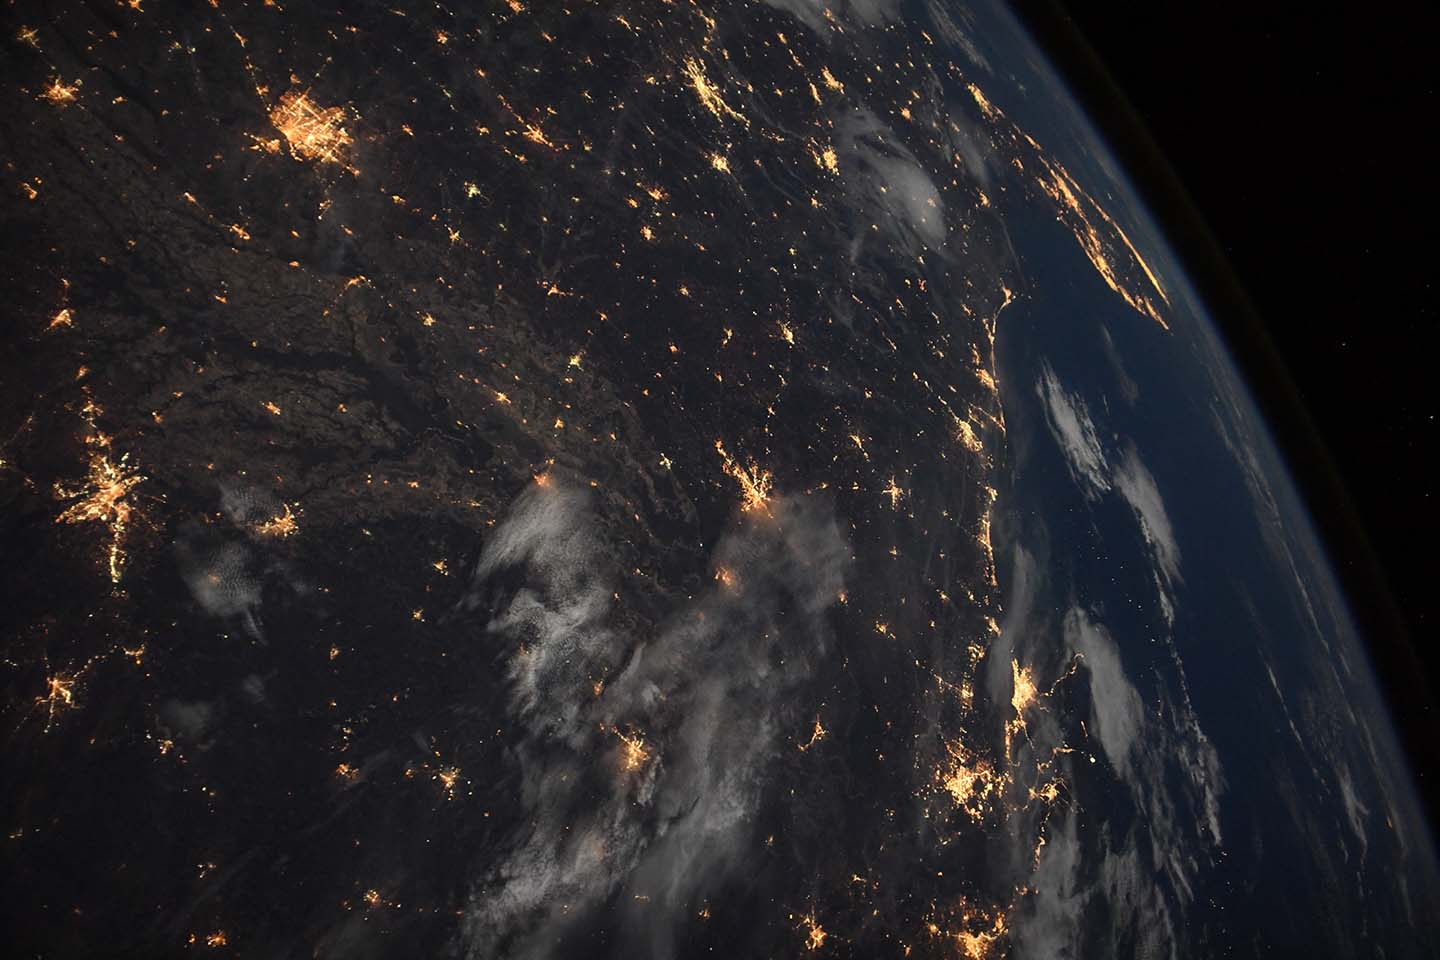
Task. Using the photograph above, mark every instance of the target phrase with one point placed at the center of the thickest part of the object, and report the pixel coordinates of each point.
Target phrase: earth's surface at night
(653, 479)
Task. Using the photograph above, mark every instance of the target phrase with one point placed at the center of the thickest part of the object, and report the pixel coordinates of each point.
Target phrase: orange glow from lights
(314, 133)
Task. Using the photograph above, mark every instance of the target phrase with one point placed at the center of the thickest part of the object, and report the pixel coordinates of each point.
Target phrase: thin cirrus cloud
(679, 728)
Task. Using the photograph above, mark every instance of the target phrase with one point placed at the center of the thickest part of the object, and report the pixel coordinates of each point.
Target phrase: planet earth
(647, 479)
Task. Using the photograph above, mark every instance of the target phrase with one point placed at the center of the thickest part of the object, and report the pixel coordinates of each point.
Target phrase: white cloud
(910, 196)
(1137, 487)
(557, 617)
(812, 12)
(1049, 927)
(1079, 440)
(977, 155)
(1356, 812)
(954, 24)
(1144, 749)
(1075, 432)
(1134, 482)
(1116, 712)
(1136, 906)
(887, 188)
(708, 695)
(221, 580)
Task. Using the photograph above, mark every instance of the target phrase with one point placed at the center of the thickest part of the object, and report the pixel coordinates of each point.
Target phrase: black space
(1302, 139)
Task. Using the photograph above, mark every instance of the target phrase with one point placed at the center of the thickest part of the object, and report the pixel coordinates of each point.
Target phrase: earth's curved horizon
(647, 480)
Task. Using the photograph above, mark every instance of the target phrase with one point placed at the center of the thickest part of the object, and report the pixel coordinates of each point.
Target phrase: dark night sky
(1300, 136)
